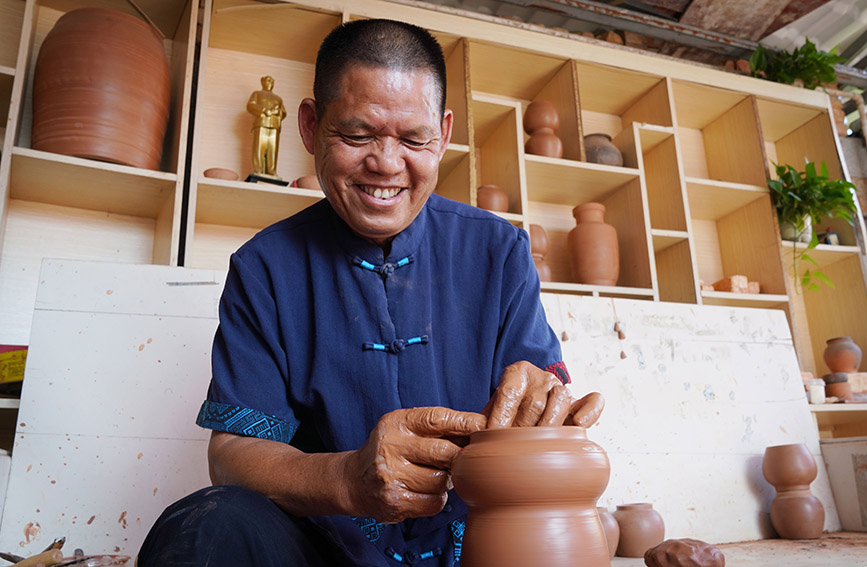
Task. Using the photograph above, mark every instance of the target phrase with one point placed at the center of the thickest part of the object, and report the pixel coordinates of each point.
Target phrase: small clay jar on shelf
(842, 355)
(837, 386)
(220, 173)
(541, 121)
(492, 198)
(522, 484)
(539, 248)
(593, 249)
(641, 528)
(307, 182)
(611, 529)
(795, 512)
(598, 148)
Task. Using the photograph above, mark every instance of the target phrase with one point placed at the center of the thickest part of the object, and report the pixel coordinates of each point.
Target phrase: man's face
(377, 148)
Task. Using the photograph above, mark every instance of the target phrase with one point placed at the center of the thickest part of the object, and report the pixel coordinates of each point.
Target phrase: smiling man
(364, 339)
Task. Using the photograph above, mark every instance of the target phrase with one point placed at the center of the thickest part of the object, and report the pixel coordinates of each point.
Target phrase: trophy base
(265, 178)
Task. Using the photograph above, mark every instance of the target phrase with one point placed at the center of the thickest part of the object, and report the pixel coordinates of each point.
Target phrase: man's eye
(356, 139)
(415, 143)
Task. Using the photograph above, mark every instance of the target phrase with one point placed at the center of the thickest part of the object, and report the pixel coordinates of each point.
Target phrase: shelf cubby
(498, 151)
(11, 24)
(454, 173)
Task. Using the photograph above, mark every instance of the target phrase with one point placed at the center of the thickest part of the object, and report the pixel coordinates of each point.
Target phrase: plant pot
(842, 355)
(599, 149)
(101, 89)
(593, 250)
(789, 231)
(524, 484)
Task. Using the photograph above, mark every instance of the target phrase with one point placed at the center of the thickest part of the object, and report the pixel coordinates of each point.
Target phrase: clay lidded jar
(611, 529)
(795, 512)
(842, 355)
(541, 121)
(599, 149)
(593, 250)
(539, 248)
(492, 198)
(532, 486)
(101, 89)
(641, 528)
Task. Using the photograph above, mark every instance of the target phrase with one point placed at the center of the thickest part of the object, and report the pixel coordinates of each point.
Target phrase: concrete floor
(841, 549)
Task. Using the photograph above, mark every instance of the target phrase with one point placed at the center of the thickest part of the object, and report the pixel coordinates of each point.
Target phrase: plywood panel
(652, 108)
(598, 122)
(626, 211)
(11, 19)
(707, 251)
(749, 246)
(563, 92)
(215, 243)
(693, 155)
(458, 92)
(501, 70)
(734, 146)
(675, 274)
(814, 141)
(664, 189)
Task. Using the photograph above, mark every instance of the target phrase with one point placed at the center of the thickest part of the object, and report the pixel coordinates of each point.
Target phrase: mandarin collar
(403, 245)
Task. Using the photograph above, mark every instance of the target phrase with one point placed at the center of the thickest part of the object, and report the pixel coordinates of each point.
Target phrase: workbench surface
(841, 549)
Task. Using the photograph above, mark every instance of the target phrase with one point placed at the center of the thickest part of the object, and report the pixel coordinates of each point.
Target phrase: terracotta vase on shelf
(539, 248)
(523, 484)
(492, 198)
(593, 249)
(541, 121)
(795, 512)
(641, 528)
(611, 529)
(842, 355)
(101, 89)
(599, 149)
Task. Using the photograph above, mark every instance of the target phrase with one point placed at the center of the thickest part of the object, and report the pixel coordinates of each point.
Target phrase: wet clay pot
(101, 89)
(599, 149)
(684, 553)
(842, 355)
(531, 493)
(539, 248)
(611, 529)
(541, 121)
(641, 528)
(795, 512)
(492, 198)
(593, 250)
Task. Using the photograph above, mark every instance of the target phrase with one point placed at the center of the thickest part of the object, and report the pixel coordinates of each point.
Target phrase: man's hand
(528, 396)
(402, 471)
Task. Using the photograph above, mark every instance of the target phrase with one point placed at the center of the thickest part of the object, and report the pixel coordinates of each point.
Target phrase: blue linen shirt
(320, 335)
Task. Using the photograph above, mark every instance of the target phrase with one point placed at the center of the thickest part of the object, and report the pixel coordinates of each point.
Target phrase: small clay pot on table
(641, 528)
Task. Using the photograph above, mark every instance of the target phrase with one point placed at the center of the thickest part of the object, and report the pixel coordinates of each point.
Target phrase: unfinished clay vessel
(795, 512)
(593, 250)
(101, 89)
(532, 491)
(842, 355)
(599, 149)
(684, 553)
(541, 121)
(539, 248)
(492, 198)
(307, 182)
(641, 528)
(220, 173)
(611, 529)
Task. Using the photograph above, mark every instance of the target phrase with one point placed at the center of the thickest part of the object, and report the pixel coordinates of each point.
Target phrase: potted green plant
(801, 199)
(806, 64)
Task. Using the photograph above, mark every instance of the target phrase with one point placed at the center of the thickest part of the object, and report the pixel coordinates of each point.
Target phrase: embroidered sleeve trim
(558, 369)
(244, 421)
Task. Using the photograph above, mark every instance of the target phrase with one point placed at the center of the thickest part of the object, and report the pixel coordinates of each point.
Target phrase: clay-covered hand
(684, 553)
(528, 396)
(402, 471)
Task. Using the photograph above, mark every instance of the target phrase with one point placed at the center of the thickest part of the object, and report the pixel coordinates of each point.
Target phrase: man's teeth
(381, 193)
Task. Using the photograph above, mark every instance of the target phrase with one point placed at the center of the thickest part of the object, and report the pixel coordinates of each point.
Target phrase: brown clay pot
(593, 248)
(539, 248)
(795, 512)
(532, 486)
(541, 121)
(611, 529)
(599, 149)
(101, 89)
(307, 182)
(492, 198)
(684, 553)
(641, 528)
(220, 173)
(842, 355)
(840, 390)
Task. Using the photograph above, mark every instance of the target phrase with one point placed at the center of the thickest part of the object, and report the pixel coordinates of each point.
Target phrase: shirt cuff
(244, 421)
(558, 369)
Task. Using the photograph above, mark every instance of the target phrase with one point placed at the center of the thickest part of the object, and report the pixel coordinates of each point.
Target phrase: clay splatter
(155, 491)
(31, 531)
(90, 520)
(141, 347)
(150, 340)
(122, 519)
(140, 455)
(564, 337)
(109, 291)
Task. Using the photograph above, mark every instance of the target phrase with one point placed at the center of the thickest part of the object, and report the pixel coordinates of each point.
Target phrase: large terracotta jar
(795, 512)
(101, 89)
(541, 121)
(641, 528)
(599, 149)
(842, 355)
(611, 529)
(593, 250)
(531, 493)
(539, 248)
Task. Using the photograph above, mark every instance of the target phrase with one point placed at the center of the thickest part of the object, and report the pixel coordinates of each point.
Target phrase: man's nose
(386, 157)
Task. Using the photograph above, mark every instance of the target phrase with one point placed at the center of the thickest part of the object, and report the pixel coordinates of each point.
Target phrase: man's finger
(508, 397)
(441, 422)
(559, 406)
(425, 480)
(586, 411)
(438, 453)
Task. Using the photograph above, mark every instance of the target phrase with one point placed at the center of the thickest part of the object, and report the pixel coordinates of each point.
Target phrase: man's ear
(307, 123)
(446, 129)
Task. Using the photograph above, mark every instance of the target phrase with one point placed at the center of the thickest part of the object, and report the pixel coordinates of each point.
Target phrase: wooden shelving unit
(690, 202)
(840, 420)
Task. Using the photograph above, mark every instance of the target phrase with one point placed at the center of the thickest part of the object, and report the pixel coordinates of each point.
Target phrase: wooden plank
(458, 92)
(654, 107)
(743, 161)
(799, 321)
(572, 183)
(611, 90)
(692, 152)
(510, 72)
(557, 221)
(251, 205)
(11, 24)
(674, 270)
(707, 251)
(814, 141)
(626, 211)
(215, 243)
(562, 91)
(664, 187)
(498, 159)
(780, 118)
(454, 176)
(713, 200)
(698, 105)
(600, 122)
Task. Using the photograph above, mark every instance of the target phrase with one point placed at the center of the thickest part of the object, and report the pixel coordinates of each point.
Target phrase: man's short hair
(376, 43)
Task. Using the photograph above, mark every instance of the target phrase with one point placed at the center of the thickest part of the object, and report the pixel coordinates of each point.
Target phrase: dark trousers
(235, 527)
